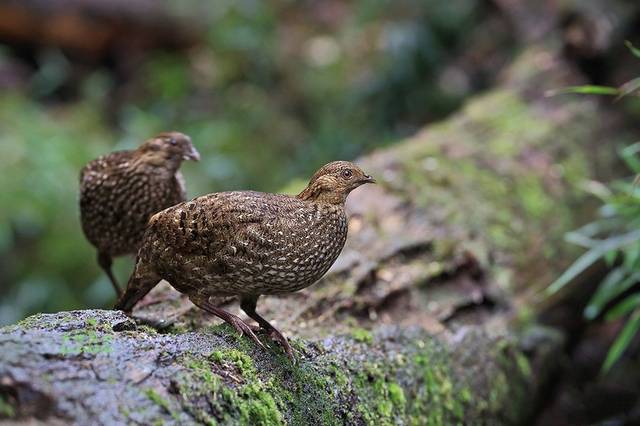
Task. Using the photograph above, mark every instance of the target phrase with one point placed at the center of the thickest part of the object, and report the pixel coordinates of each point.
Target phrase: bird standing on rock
(245, 244)
(120, 191)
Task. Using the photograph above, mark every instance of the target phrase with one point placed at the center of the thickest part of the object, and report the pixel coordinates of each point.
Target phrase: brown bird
(245, 244)
(120, 191)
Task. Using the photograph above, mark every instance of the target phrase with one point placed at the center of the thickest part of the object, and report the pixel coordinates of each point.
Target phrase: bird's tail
(141, 282)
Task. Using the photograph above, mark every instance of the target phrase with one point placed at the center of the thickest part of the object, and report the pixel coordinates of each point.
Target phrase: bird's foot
(276, 336)
(243, 328)
(233, 320)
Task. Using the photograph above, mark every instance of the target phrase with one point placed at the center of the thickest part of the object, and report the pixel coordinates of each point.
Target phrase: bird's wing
(224, 226)
(96, 172)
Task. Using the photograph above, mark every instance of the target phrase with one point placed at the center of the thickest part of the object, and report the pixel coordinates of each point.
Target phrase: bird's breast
(300, 253)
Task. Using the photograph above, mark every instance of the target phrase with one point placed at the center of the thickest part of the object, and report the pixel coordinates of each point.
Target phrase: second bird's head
(168, 149)
(334, 181)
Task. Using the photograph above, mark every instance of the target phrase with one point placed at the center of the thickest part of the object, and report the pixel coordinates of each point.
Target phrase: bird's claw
(243, 328)
(279, 338)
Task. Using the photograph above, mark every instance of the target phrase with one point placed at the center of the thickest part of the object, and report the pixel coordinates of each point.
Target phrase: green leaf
(622, 341)
(590, 257)
(580, 239)
(586, 90)
(598, 189)
(629, 87)
(632, 48)
(616, 282)
(629, 156)
(610, 257)
(631, 256)
(582, 263)
(632, 149)
(624, 307)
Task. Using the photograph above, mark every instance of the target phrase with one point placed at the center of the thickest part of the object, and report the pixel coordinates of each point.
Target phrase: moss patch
(6, 409)
(225, 387)
(213, 377)
(93, 338)
(154, 396)
(361, 335)
(509, 164)
(381, 399)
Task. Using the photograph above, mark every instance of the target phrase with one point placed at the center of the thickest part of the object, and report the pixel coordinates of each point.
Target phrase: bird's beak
(193, 154)
(367, 179)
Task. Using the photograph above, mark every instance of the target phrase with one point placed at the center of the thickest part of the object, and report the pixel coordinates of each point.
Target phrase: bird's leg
(140, 283)
(248, 305)
(236, 322)
(104, 260)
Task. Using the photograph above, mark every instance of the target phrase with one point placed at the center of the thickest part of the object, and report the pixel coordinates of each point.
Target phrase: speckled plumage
(247, 244)
(121, 190)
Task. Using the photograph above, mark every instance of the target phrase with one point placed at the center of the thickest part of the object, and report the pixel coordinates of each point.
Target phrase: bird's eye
(173, 142)
(347, 174)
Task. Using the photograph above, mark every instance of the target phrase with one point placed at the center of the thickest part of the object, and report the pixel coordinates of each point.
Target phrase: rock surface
(98, 367)
(411, 326)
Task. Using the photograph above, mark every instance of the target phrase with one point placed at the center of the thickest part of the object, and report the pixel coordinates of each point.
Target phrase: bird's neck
(156, 162)
(317, 193)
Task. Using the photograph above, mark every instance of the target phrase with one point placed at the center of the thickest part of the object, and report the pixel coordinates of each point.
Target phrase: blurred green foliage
(614, 238)
(274, 91)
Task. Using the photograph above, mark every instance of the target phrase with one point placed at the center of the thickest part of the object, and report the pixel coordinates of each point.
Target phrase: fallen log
(421, 321)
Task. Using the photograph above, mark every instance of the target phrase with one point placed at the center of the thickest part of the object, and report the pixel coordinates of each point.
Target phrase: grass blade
(629, 87)
(586, 90)
(624, 307)
(622, 341)
(582, 263)
(590, 257)
(632, 48)
(616, 282)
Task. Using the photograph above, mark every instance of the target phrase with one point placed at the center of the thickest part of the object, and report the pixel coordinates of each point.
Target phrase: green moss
(160, 401)
(248, 402)
(523, 364)
(438, 399)
(177, 329)
(508, 163)
(240, 360)
(229, 386)
(396, 395)
(124, 411)
(340, 378)
(86, 341)
(465, 395)
(6, 409)
(380, 399)
(30, 322)
(499, 389)
(257, 406)
(361, 335)
(240, 342)
(143, 328)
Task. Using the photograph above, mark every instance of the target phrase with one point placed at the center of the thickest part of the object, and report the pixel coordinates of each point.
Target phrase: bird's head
(334, 181)
(168, 149)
